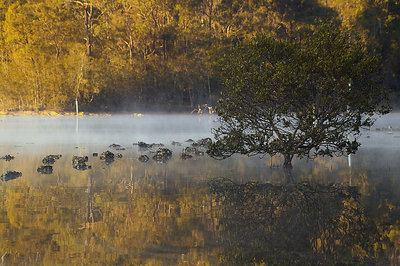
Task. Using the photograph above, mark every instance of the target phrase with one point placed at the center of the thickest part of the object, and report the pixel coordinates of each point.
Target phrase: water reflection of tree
(296, 223)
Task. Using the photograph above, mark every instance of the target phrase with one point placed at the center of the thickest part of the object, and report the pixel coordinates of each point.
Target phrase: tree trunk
(287, 168)
(287, 164)
(88, 27)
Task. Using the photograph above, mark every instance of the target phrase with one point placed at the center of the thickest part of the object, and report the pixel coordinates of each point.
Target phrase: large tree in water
(308, 97)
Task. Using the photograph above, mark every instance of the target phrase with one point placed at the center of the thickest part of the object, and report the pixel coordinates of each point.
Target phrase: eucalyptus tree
(308, 98)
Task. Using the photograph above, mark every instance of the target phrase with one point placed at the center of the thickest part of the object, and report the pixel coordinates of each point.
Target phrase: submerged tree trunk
(287, 168)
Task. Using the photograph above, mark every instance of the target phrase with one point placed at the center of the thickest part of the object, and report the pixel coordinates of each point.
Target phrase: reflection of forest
(120, 218)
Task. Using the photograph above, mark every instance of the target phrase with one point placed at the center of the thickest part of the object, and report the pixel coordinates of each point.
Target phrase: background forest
(122, 55)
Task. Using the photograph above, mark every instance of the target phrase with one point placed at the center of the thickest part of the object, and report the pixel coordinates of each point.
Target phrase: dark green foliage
(305, 98)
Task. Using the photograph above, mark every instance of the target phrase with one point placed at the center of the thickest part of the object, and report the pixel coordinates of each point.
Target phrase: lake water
(198, 211)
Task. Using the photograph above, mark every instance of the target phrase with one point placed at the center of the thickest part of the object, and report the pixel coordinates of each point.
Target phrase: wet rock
(116, 147)
(107, 157)
(45, 169)
(162, 155)
(143, 145)
(50, 159)
(185, 156)
(175, 143)
(7, 158)
(119, 155)
(79, 163)
(95, 154)
(10, 175)
(204, 142)
(189, 150)
(144, 158)
(199, 153)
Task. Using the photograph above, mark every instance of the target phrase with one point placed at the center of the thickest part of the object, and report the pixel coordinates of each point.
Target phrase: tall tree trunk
(88, 27)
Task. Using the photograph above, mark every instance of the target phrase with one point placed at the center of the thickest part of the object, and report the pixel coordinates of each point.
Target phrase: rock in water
(116, 147)
(144, 158)
(51, 159)
(107, 157)
(79, 163)
(45, 169)
(10, 175)
(7, 158)
(162, 155)
(185, 156)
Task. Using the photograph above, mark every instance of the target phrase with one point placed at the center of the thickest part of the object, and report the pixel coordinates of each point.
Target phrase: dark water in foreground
(191, 212)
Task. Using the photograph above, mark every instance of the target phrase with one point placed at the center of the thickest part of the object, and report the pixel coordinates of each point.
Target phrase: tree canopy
(118, 55)
(304, 98)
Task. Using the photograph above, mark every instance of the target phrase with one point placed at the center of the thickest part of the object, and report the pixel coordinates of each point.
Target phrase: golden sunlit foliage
(116, 55)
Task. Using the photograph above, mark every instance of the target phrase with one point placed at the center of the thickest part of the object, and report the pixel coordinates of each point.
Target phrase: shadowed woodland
(134, 55)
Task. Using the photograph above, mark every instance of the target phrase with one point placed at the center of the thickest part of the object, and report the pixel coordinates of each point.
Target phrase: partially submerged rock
(204, 142)
(7, 158)
(175, 143)
(107, 157)
(162, 155)
(95, 154)
(51, 159)
(143, 146)
(10, 175)
(189, 150)
(45, 169)
(143, 158)
(185, 156)
(79, 163)
(116, 147)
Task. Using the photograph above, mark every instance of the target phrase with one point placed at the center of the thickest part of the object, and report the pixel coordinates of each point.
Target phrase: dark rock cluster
(48, 161)
(162, 155)
(10, 175)
(7, 158)
(79, 163)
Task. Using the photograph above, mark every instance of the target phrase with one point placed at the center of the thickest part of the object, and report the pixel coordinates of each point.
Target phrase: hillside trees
(113, 55)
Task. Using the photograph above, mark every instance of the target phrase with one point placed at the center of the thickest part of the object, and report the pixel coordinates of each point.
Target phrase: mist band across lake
(181, 211)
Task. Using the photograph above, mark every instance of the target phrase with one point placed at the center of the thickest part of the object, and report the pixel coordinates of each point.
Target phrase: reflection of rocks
(116, 147)
(107, 157)
(144, 158)
(50, 159)
(45, 169)
(79, 163)
(10, 175)
(162, 155)
(7, 158)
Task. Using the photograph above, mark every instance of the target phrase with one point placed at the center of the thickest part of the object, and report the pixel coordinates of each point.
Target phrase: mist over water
(94, 131)
(164, 213)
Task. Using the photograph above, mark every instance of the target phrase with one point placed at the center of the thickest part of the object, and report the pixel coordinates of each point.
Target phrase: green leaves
(306, 98)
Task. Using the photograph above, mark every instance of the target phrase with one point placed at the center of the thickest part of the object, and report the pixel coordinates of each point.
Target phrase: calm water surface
(198, 211)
